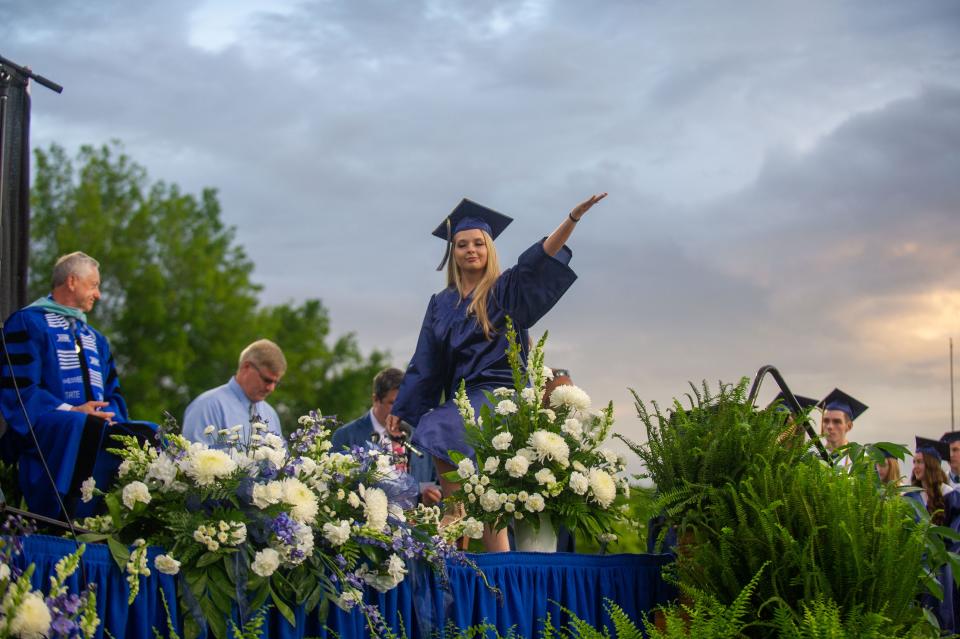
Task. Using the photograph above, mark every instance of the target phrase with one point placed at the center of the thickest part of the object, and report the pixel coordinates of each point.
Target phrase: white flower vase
(530, 539)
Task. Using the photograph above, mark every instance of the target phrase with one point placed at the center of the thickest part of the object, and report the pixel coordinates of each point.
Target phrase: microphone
(407, 431)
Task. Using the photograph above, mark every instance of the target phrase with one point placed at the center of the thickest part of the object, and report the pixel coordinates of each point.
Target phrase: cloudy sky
(784, 178)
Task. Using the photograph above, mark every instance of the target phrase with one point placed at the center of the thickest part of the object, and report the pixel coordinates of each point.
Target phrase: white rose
(466, 468)
(502, 441)
(135, 491)
(491, 464)
(579, 483)
(517, 466)
(266, 562)
(506, 407)
(167, 564)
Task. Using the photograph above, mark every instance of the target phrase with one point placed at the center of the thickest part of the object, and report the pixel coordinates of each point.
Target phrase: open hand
(580, 209)
(93, 408)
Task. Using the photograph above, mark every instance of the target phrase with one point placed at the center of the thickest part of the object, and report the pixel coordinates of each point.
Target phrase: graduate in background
(952, 439)
(62, 370)
(839, 412)
(462, 336)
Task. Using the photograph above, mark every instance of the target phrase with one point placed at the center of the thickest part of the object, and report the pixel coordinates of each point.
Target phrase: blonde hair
(478, 306)
(893, 471)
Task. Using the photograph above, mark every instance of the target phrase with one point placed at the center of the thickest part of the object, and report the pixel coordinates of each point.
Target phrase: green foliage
(631, 531)
(822, 619)
(178, 301)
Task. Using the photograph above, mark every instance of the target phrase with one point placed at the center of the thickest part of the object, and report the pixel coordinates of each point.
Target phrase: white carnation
(572, 427)
(490, 500)
(506, 407)
(603, 487)
(550, 446)
(375, 508)
(491, 464)
(528, 395)
(135, 491)
(472, 528)
(125, 467)
(552, 416)
(337, 534)
(276, 456)
(545, 476)
(31, 619)
(167, 564)
(466, 468)
(162, 470)
(265, 495)
(571, 397)
(535, 503)
(502, 441)
(517, 466)
(547, 373)
(266, 562)
(353, 499)
(86, 490)
(528, 453)
(274, 441)
(609, 456)
(396, 568)
(579, 483)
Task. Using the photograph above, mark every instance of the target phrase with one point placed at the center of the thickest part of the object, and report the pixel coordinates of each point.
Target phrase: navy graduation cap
(470, 215)
(950, 437)
(806, 403)
(838, 400)
(936, 448)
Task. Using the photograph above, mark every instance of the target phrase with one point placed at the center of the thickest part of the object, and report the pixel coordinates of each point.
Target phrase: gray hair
(264, 353)
(386, 380)
(76, 263)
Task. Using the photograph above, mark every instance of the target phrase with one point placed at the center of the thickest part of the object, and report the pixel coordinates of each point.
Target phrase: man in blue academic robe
(370, 428)
(58, 376)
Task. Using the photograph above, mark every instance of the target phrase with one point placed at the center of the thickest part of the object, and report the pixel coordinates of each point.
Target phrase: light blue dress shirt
(225, 407)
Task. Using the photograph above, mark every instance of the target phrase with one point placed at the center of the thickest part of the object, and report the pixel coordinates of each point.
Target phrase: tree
(178, 301)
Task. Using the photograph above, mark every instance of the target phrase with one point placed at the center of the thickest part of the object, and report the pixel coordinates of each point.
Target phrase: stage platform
(533, 586)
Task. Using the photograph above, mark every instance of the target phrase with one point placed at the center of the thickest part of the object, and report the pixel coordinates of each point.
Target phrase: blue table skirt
(533, 586)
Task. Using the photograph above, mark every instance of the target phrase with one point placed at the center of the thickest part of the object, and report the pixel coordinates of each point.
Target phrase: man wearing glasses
(227, 413)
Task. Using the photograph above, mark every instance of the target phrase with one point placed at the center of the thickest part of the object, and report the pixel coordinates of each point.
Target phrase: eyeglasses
(266, 380)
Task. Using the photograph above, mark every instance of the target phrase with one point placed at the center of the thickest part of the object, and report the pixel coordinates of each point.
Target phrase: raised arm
(559, 237)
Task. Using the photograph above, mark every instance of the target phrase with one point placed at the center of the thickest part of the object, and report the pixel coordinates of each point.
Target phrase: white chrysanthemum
(32, 619)
(301, 498)
(265, 562)
(550, 446)
(502, 392)
(572, 397)
(353, 499)
(572, 427)
(135, 491)
(466, 468)
(472, 528)
(545, 476)
(491, 464)
(506, 407)
(265, 495)
(86, 489)
(603, 487)
(337, 534)
(528, 395)
(162, 470)
(535, 503)
(375, 508)
(502, 441)
(205, 465)
(166, 564)
(490, 500)
(579, 483)
(517, 466)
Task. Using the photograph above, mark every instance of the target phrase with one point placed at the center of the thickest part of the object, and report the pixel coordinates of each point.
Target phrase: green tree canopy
(178, 301)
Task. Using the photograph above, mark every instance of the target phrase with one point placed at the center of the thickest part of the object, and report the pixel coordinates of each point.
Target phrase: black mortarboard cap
(937, 448)
(950, 437)
(805, 402)
(470, 215)
(838, 400)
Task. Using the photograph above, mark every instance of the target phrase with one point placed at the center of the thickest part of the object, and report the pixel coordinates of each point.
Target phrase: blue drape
(533, 586)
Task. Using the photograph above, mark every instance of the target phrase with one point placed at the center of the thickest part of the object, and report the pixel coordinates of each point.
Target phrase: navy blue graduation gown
(452, 347)
(36, 367)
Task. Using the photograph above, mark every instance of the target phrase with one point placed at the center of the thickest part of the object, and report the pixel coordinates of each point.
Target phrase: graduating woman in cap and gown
(463, 332)
(942, 502)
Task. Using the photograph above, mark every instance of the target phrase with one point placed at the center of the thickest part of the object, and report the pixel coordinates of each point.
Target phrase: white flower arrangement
(533, 460)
